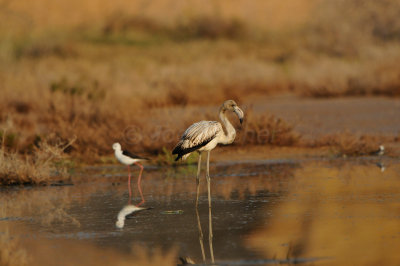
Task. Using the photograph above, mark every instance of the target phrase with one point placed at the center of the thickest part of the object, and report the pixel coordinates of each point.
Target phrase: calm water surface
(263, 212)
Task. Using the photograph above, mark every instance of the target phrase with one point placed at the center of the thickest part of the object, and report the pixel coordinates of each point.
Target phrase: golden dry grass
(38, 167)
(109, 72)
(347, 144)
(261, 129)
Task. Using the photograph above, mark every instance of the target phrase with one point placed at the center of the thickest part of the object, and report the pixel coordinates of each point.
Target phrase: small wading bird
(127, 158)
(205, 136)
(380, 151)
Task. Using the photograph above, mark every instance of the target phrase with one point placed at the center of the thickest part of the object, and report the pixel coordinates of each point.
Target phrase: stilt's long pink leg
(139, 184)
(129, 183)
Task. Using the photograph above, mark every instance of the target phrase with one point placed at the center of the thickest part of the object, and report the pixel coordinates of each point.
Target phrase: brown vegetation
(39, 167)
(266, 130)
(109, 73)
(347, 144)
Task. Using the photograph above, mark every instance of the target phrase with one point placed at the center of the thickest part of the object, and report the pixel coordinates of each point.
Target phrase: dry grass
(361, 24)
(261, 129)
(38, 167)
(372, 76)
(347, 144)
(88, 111)
(198, 27)
(106, 73)
(352, 48)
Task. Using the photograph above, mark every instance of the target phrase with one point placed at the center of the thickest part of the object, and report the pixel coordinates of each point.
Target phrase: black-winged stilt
(128, 158)
(380, 151)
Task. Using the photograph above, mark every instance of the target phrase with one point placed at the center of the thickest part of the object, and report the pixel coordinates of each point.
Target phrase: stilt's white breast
(124, 159)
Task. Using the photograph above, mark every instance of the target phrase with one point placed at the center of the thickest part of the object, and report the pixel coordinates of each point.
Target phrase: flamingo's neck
(230, 135)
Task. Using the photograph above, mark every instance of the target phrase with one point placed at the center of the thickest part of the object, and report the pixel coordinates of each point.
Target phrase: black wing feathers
(133, 156)
(182, 151)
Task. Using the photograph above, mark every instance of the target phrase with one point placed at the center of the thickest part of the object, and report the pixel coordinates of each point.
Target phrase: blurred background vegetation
(90, 69)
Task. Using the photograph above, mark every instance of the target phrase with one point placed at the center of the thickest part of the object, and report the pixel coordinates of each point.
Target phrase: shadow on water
(263, 212)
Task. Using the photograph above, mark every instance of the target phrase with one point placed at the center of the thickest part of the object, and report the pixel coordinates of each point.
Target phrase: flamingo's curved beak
(239, 113)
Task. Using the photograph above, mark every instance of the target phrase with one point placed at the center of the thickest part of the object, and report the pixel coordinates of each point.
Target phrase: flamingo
(128, 158)
(205, 136)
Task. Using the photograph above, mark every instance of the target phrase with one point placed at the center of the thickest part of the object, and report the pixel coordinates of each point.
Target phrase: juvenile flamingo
(205, 136)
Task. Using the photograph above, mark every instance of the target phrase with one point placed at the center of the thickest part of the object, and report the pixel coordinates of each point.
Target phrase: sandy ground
(318, 117)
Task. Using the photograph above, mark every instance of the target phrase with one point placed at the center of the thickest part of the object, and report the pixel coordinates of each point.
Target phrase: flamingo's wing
(196, 136)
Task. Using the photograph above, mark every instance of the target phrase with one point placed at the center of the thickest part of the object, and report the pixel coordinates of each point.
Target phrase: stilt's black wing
(133, 156)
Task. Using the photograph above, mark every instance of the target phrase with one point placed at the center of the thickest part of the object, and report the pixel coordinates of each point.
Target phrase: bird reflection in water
(210, 235)
(381, 166)
(130, 208)
(188, 260)
(125, 211)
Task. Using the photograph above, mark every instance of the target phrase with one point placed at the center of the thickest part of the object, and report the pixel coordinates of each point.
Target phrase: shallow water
(263, 212)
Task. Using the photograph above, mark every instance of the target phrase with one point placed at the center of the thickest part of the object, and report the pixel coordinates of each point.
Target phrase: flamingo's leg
(198, 179)
(210, 234)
